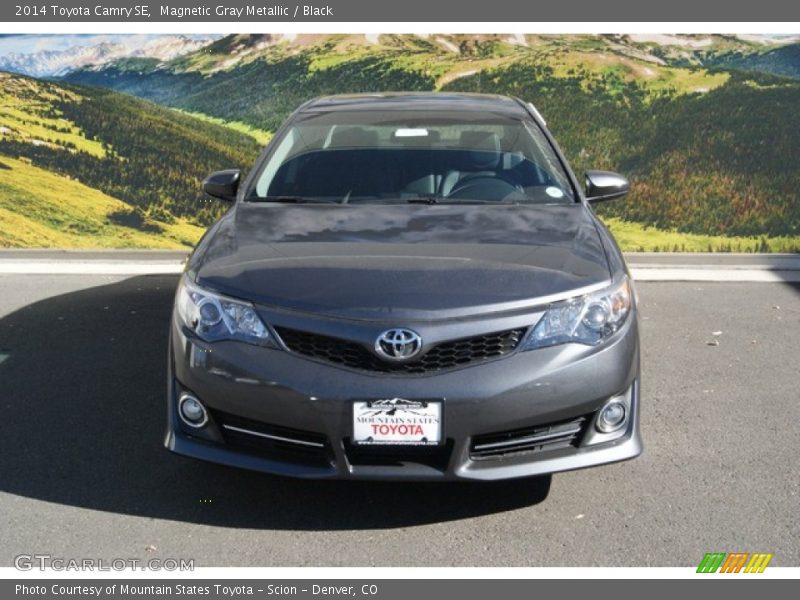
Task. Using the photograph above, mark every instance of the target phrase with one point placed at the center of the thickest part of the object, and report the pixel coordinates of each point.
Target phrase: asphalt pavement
(83, 472)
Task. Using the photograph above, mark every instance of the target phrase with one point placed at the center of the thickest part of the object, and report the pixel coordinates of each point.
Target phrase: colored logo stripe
(711, 562)
(758, 563)
(734, 562)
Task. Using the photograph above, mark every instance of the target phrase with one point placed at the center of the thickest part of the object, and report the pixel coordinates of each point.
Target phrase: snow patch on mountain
(54, 63)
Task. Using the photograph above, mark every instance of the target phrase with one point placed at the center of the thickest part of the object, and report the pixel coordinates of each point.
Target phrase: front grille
(447, 355)
(541, 438)
(272, 441)
(437, 457)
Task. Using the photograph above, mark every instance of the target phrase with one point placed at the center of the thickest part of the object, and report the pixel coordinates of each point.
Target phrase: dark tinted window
(371, 157)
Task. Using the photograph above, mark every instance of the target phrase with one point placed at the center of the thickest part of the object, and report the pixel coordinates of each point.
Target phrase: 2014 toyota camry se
(407, 286)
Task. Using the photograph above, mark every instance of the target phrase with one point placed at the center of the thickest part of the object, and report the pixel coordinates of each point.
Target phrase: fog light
(192, 412)
(612, 417)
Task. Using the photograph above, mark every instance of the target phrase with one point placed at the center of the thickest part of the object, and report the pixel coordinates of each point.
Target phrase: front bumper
(259, 396)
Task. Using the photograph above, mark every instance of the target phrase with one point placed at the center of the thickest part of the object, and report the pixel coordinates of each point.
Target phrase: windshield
(412, 156)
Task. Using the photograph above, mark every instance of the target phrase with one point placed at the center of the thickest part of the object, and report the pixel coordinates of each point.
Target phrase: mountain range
(776, 54)
(706, 127)
(54, 63)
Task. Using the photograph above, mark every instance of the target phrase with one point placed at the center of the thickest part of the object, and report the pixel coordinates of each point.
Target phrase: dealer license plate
(397, 421)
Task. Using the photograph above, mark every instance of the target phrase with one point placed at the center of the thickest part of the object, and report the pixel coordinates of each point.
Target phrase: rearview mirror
(605, 185)
(222, 184)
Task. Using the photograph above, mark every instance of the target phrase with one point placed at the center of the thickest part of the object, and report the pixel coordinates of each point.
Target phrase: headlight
(213, 317)
(583, 320)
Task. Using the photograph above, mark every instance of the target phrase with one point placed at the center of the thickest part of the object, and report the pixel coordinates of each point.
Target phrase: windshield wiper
(424, 200)
(290, 200)
(435, 200)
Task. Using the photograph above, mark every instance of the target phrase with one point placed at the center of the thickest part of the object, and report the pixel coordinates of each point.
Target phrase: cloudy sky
(27, 44)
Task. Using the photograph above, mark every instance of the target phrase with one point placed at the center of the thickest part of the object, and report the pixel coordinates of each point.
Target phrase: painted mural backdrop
(104, 140)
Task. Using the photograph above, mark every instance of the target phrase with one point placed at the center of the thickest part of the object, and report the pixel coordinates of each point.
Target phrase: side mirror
(605, 185)
(222, 184)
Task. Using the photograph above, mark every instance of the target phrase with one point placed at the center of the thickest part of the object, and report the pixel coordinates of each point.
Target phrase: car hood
(401, 261)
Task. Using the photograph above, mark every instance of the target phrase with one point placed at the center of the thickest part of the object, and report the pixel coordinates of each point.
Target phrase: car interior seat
(480, 155)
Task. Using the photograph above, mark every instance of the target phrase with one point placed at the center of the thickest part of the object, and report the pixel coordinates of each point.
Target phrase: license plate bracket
(397, 422)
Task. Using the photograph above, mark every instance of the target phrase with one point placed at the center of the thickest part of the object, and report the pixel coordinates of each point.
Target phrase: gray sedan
(407, 286)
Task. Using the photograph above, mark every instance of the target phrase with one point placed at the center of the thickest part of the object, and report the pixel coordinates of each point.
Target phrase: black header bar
(437, 11)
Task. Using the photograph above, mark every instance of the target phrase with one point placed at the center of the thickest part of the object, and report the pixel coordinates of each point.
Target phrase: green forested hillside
(259, 93)
(715, 162)
(39, 208)
(709, 150)
(147, 158)
(784, 61)
(708, 141)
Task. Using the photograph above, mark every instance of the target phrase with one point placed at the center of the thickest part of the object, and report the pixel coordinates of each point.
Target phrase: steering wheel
(484, 187)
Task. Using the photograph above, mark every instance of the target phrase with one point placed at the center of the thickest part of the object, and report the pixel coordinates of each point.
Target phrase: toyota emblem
(398, 344)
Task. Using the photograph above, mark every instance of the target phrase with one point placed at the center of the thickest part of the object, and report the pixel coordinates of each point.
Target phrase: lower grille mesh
(275, 442)
(447, 355)
(534, 439)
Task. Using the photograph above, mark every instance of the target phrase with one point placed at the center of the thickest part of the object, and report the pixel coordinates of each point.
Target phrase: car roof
(432, 101)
